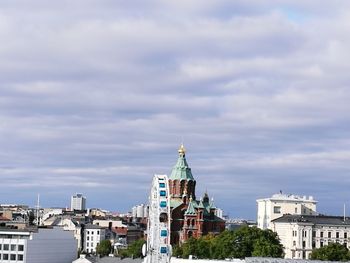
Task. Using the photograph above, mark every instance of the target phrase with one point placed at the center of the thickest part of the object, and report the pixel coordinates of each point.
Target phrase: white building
(78, 202)
(299, 234)
(281, 204)
(140, 211)
(41, 245)
(93, 235)
(49, 212)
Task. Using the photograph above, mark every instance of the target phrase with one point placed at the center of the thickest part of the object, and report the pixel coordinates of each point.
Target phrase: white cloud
(97, 95)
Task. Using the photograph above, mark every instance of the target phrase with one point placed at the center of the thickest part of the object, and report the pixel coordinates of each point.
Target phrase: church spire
(181, 170)
(182, 150)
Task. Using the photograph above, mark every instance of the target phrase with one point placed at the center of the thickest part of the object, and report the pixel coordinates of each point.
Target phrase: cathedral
(190, 217)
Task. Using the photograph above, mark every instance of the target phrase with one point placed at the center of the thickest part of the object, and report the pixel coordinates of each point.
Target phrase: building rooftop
(89, 226)
(313, 219)
(289, 197)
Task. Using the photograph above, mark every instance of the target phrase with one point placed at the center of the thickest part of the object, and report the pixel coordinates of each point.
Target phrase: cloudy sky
(97, 95)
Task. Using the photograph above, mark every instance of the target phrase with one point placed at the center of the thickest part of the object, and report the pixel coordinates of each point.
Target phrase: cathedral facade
(190, 217)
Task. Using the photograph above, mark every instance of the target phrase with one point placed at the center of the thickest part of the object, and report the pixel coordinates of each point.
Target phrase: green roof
(190, 209)
(181, 170)
(175, 203)
(201, 205)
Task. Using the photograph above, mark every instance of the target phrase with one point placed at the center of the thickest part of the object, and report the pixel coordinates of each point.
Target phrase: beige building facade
(281, 204)
(300, 234)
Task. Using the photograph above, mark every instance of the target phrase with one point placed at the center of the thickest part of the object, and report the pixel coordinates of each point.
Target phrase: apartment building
(93, 235)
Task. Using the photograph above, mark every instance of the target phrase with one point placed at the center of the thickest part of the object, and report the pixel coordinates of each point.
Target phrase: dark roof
(313, 219)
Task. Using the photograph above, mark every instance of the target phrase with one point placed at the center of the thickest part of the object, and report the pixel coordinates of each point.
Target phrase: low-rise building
(93, 235)
(300, 234)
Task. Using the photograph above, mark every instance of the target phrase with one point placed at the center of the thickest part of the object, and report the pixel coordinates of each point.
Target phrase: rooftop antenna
(344, 212)
(37, 210)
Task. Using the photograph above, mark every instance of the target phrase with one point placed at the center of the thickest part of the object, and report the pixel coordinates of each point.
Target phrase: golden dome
(182, 150)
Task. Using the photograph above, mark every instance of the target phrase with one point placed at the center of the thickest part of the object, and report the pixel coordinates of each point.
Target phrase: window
(313, 244)
(13, 257)
(98, 232)
(296, 210)
(321, 244)
(294, 243)
(5, 257)
(88, 238)
(163, 204)
(6, 247)
(321, 234)
(345, 235)
(20, 257)
(162, 193)
(161, 185)
(329, 234)
(163, 233)
(0, 247)
(88, 232)
(13, 247)
(20, 247)
(92, 238)
(313, 233)
(92, 232)
(337, 235)
(277, 209)
(163, 250)
(304, 244)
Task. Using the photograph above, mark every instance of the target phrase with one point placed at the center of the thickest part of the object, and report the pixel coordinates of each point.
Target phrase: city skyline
(97, 96)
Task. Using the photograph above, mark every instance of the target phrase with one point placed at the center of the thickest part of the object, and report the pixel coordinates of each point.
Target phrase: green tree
(189, 247)
(222, 245)
(104, 248)
(204, 247)
(134, 250)
(241, 243)
(177, 251)
(331, 252)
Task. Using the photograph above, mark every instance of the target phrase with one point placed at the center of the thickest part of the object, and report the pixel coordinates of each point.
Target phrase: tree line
(243, 242)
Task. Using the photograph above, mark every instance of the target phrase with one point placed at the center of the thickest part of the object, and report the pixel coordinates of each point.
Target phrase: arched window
(163, 218)
(188, 222)
(182, 186)
(193, 222)
(190, 234)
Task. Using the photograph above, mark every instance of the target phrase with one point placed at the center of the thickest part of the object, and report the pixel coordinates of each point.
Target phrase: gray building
(37, 245)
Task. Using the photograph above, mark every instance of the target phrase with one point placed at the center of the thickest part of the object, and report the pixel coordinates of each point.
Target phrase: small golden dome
(182, 150)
